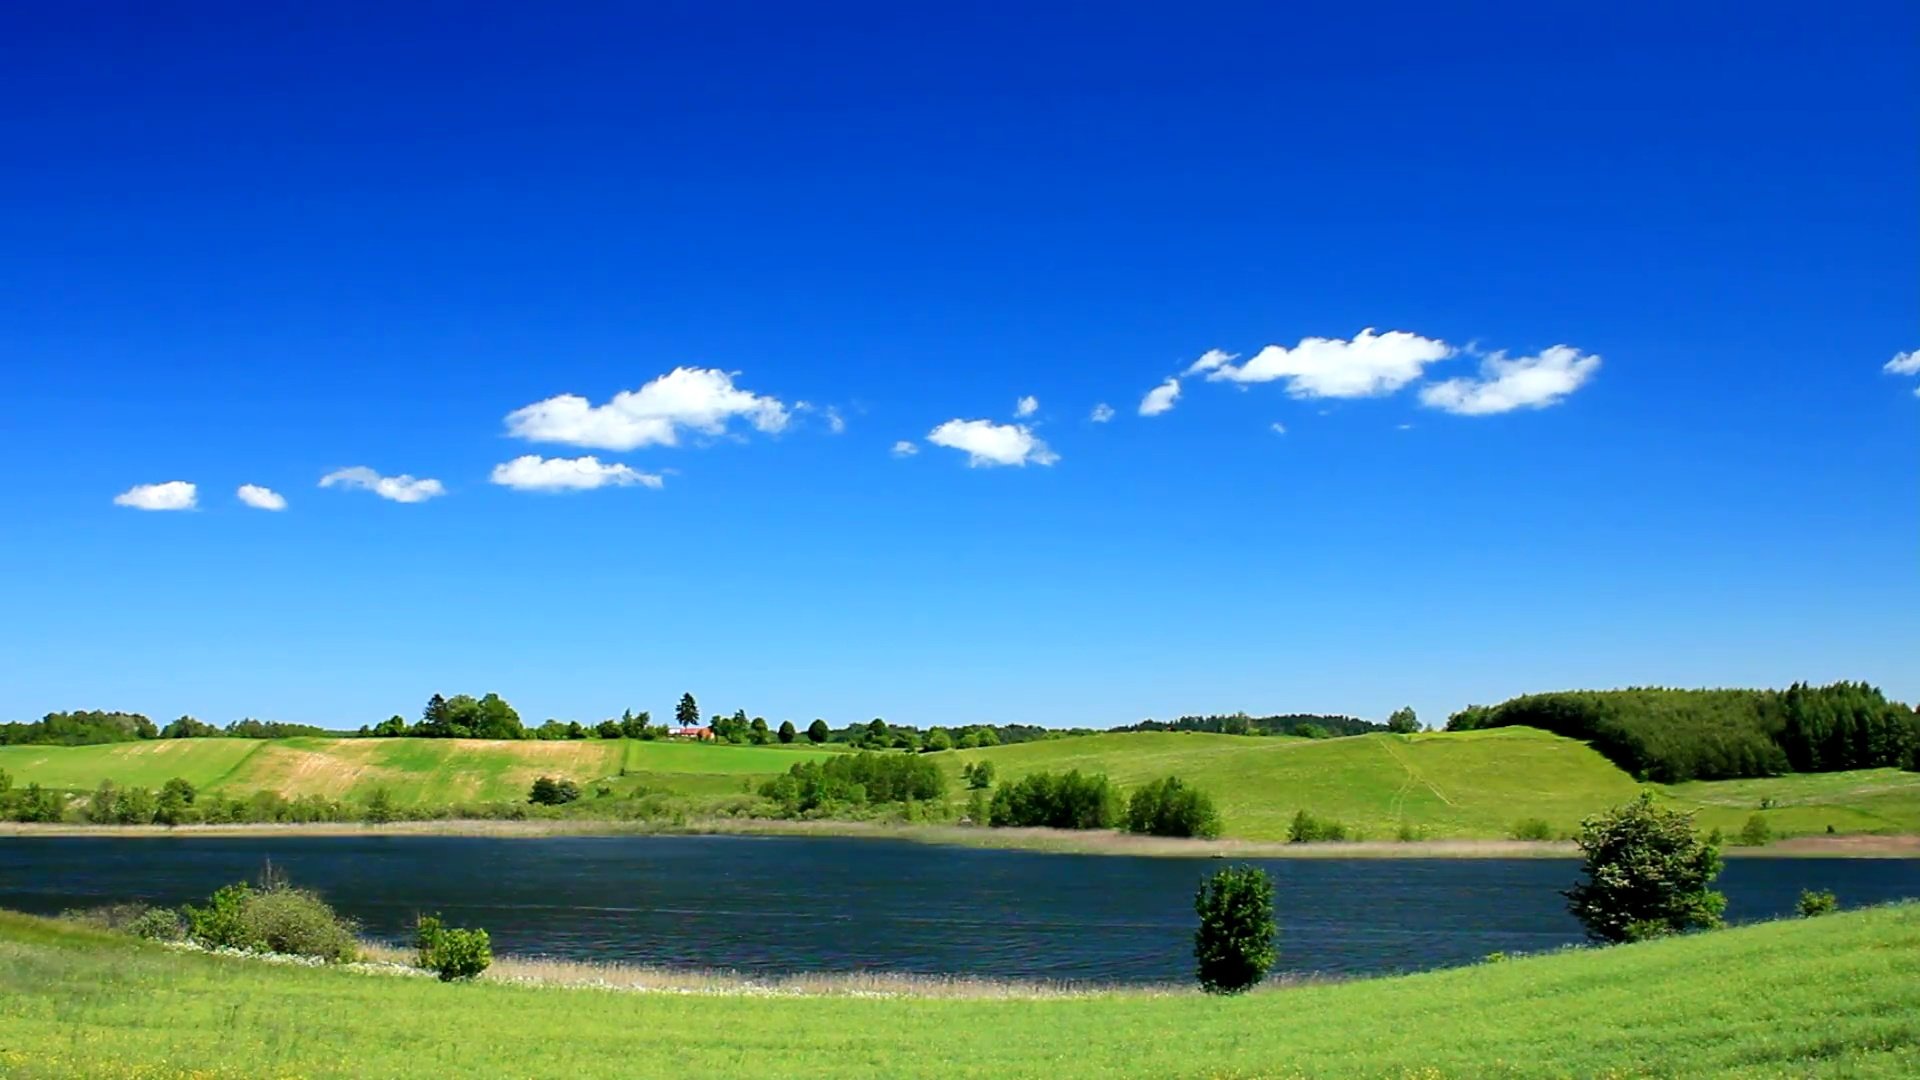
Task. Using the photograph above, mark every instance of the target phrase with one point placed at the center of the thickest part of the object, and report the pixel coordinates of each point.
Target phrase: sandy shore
(1050, 840)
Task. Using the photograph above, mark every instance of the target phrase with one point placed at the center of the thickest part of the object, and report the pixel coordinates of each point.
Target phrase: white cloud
(403, 488)
(1160, 398)
(1210, 360)
(1524, 382)
(1904, 363)
(835, 422)
(1370, 365)
(1026, 406)
(1277, 428)
(697, 399)
(1102, 413)
(531, 472)
(172, 495)
(905, 448)
(988, 443)
(261, 498)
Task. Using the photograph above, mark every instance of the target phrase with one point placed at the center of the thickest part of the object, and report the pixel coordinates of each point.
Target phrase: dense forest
(1673, 735)
(1310, 725)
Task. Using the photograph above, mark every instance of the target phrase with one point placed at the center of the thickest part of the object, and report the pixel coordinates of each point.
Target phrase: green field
(416, 772)
(1837, 996)
(1473, 784)
(1452, 785)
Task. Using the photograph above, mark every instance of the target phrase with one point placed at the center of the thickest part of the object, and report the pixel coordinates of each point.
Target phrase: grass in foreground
(1836, 996)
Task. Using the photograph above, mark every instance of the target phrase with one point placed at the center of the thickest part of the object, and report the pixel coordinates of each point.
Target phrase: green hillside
(416, 772)
(1469, 784)
(1835, 996)
(1444, 785)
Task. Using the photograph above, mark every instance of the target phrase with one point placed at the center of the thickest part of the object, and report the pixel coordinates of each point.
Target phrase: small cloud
(693, 399)
(1160, 398)
(1403, 427)
(1102, 413)
(1370, 365)
(531, 472)
(905, 448)
(1026, 406)
(988, 443)
(835, 422)
(401, 489)
(1903, 363)
(1523, 382)
(261, 498)
(1211, 360)
(172, 495)
(1277, 428)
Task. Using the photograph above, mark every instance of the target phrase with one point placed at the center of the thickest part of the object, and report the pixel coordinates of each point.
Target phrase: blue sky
(1635, 413)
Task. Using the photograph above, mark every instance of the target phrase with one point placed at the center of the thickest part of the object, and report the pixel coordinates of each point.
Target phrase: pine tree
(687, 714)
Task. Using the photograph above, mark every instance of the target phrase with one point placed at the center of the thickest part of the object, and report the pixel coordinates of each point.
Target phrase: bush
(856, 779)
(1813, 903)
(978, 774)
(1647, 874)
(1233, 946)
(298, 923)
(1532, 828)
(550, 792)
(158, 924)
(1756, 832)
(277, 918)
(1308, 829)
(1170, 807)
(451, 953)
(219, 925)
(1064, 801)
(380, 809)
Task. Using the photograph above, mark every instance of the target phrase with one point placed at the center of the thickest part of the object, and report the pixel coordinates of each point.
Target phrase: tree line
(1309, 725)
(92, 728)
(1670, 735)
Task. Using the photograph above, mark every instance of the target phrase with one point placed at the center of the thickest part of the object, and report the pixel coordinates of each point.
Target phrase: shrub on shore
(1647, 874)
(449, 952)
(1233, 947)
(1172, 807)
(1816, 902)
(1069, 800)
(550, 792)
(1308, 829)
(277, 918)
(1532, 828)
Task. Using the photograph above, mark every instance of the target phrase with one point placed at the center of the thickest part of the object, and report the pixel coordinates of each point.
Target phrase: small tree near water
(452, 953)
(1647, 874)
(1233, 947)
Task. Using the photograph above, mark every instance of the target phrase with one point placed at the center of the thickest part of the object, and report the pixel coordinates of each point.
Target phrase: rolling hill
(1441, 785)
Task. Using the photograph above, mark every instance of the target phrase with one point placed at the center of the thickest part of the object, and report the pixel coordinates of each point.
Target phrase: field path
(1414, 776)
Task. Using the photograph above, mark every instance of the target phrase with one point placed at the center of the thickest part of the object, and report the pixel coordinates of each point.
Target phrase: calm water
(768, 906)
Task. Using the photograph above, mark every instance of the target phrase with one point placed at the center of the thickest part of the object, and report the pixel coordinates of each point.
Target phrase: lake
(784, 905)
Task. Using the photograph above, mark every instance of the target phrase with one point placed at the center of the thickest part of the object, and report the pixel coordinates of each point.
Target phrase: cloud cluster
(401, 489)
(1522, 382)
(261, 498)
(172, 495)
(1904, 363)
(1160, 398)
(1026, 407)
(1370, 365)
(702, 400)
(531, 472)
(987, 444)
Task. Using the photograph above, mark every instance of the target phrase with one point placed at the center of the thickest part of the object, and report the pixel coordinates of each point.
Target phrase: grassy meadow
(1836, 996)
(1473, 785)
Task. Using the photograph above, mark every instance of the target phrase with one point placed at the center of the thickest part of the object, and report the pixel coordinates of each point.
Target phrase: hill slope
(1842, 997)
(1466, 784)
(1444, 785)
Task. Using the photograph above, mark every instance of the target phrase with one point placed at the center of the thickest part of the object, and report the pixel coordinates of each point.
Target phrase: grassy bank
(1838, 996)
(1474, 785)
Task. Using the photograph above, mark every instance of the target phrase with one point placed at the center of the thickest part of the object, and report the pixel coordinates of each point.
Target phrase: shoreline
(1054, 841)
